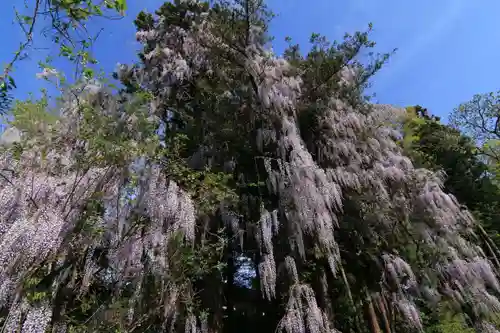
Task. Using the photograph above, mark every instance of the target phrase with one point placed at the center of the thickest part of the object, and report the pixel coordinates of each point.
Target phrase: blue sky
(447, 50)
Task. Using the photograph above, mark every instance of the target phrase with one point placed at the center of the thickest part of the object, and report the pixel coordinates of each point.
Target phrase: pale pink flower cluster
(364, 155)
(364, 163)
(43, 197)
(303, 313)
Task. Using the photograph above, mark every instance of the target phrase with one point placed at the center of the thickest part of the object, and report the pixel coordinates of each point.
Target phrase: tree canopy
(226, 188)
(479, 118)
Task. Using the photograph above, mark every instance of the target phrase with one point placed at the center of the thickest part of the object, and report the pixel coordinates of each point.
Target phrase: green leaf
(27, 19)
(108, 4)
(120, 5)
(11, 81)
(66, 50)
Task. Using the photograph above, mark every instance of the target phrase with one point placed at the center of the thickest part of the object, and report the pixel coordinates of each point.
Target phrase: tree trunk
(491, 246)
(384, 314)
(372, 315)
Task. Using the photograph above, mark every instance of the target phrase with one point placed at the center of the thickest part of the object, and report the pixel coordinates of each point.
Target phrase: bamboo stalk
(349, 295)
(383, 312)
(372, 315)
(490, 245)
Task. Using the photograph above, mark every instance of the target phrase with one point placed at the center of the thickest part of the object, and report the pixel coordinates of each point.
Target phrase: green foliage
(33, 293)
(479, 119)
(440, 147)
(325, 60)
(200, 261)
(32, 116)
(208, 187)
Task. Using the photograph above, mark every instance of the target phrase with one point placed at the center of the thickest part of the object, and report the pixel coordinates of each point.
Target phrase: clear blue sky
(448, 49)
